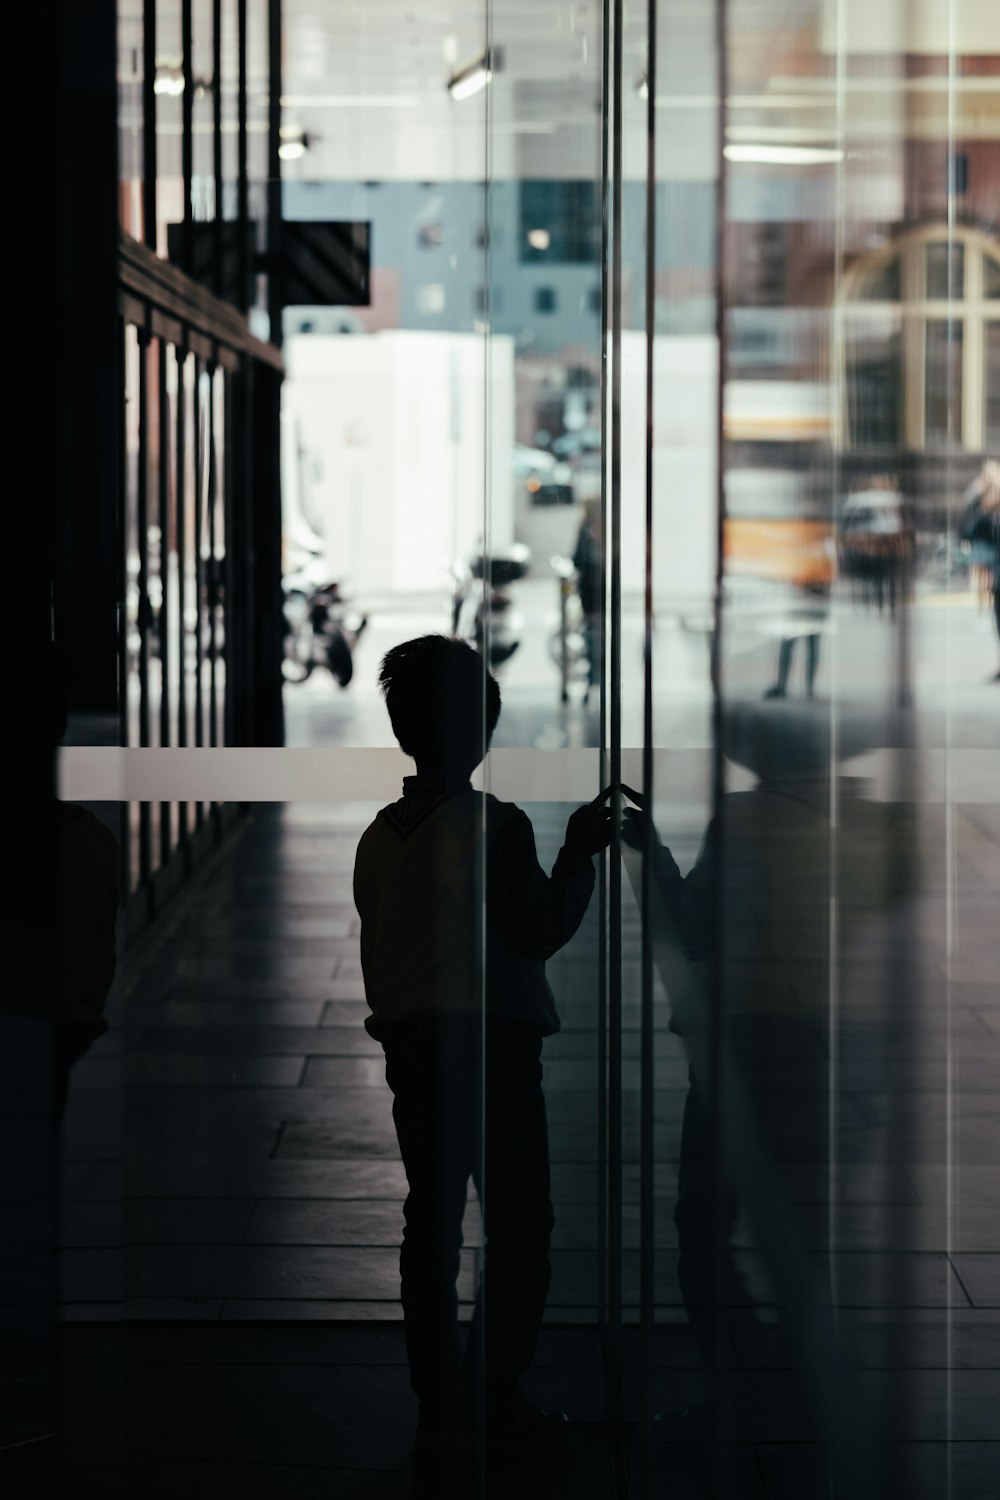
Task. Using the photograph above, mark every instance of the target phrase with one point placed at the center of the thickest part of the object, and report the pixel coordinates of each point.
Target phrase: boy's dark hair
(443, 702)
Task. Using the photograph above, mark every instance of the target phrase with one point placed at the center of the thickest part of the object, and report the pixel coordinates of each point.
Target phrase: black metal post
(213, 569)
(615, 1123)
(243, 185)
(717, 1083)
(275, 289)
(647, 1083)
(198, 440)
(163, 618)
(181, 490)
(142, 583)
(149, 123)
(187, 135)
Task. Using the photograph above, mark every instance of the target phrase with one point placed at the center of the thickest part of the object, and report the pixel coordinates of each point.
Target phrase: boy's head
(443, 703)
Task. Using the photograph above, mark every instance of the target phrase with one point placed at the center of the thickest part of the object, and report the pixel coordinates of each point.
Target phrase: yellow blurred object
(799, 552)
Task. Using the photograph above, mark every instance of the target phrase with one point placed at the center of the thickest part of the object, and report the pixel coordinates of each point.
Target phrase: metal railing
(200, 627)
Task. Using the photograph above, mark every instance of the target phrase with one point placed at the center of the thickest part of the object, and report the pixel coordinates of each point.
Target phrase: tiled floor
(232, 1188)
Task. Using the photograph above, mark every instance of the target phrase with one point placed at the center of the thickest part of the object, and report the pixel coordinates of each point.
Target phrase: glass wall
(652, 350)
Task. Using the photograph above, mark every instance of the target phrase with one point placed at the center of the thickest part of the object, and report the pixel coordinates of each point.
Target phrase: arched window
(918, 345)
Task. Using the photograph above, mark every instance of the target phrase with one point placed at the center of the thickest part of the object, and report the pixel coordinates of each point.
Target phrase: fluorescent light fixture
(473, 76)
(784, 156)
(169, 80)
(348, 101)
(539, 239)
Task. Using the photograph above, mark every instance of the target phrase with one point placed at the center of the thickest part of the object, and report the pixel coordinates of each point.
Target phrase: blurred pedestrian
(980, 528)
(588, 560)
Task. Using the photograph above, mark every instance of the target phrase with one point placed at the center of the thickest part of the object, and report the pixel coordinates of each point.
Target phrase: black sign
(320, 264)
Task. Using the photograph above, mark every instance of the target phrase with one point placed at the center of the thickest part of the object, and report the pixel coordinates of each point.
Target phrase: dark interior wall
(83, 449)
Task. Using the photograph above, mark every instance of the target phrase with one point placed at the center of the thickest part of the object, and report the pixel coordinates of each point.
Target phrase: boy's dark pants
(435, 1073)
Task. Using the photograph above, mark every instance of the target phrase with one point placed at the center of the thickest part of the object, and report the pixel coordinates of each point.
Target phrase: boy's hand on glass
(589, 828)
(634, 820)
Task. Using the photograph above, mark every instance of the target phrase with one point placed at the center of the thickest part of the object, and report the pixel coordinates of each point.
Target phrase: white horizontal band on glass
(108, 773)
(103, 773)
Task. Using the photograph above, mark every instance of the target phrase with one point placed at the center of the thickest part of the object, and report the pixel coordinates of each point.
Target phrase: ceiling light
(642, 87)
(784, 156)
(475, 75)
(539, 239)
(169, 78)
(294, 143)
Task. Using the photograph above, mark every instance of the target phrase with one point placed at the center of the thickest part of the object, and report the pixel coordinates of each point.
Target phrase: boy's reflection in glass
(757, 904)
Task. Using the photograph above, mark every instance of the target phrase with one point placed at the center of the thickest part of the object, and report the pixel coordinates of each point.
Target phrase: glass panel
(202, 119)
(229, 84)
(130, 122)
(991, 277)
(219, 565)
(992, 386)
(943, 390)
(258, 65)
(134, 692)
(885, 284)
(874, 371)
(169, 121)
(945, 272)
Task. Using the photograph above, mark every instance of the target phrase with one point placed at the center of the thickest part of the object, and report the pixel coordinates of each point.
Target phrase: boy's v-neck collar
(434, 786)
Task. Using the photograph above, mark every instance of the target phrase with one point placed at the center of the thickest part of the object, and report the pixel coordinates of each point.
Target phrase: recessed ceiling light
(539, 239)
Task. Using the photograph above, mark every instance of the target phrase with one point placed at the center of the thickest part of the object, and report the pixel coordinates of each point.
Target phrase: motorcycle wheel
(339, 659)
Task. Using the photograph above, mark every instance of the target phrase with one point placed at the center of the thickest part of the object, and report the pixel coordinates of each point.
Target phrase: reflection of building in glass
(918, 345)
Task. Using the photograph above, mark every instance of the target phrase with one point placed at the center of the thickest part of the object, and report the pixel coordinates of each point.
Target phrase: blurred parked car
(547, 479)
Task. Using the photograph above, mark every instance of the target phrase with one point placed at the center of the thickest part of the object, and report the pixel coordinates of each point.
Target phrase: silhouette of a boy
(457, 920)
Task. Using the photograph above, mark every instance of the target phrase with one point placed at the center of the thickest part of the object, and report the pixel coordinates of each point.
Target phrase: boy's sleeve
(689, 900)
(537, 913)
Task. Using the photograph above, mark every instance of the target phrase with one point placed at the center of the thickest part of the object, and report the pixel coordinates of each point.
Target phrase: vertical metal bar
(163, 621)
(187, 135)
(213, 581)
(237, 660)
(275, 289)
(242, 183)
(197, 439)
(149, 123)
(481, 1373)
(123, 627)
(615, 1134)
(647, 1206)
(718, 1392)
(181, 492)
(217, 271)
(142, 582)
(602, 889)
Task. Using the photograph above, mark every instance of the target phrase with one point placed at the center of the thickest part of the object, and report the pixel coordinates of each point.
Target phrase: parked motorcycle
(321, 630)
(482, 611)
